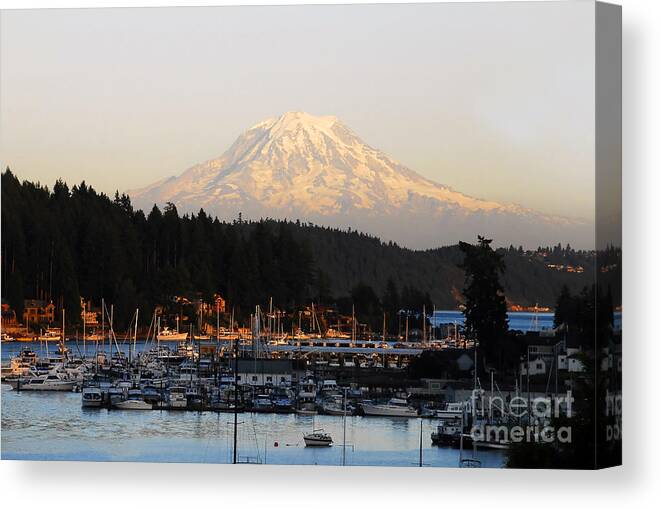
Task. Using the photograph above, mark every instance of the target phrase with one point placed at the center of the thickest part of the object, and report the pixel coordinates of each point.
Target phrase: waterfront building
(38, 311)
(264, 372)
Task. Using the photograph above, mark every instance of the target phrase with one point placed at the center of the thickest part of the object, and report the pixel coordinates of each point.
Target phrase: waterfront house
(38, 312)
(546, 353)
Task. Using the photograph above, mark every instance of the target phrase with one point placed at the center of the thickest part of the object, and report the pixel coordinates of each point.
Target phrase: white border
(100, 485)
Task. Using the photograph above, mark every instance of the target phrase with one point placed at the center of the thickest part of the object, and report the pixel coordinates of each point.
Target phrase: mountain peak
(314, 168)
(293, 123)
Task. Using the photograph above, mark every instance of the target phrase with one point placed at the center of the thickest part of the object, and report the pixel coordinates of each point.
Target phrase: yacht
(396, 407)
(171, 335)
(51, 382)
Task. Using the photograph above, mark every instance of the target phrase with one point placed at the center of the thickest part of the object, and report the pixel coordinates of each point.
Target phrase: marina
(278, 394)
(31, 420)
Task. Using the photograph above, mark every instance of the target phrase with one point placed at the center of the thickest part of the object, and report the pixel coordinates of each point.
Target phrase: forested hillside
(62, 243)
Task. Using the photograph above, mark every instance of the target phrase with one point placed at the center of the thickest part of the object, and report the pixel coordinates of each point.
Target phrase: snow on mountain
(300, 166)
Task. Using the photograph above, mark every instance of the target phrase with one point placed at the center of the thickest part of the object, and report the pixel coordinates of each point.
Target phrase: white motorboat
(51, 382)
(396, 407)
(6, 338)
(92, 397)
(317, 439)
(133, 404)
(51, 335)
(171, 335)
(451, 411)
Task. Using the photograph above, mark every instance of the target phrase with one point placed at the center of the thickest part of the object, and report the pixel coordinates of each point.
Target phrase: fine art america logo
(614, 413)
(534, 418)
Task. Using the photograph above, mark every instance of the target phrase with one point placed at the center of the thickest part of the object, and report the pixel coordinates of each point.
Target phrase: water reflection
(55, 427)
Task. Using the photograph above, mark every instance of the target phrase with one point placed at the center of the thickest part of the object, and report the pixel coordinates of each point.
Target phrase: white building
(264, 372)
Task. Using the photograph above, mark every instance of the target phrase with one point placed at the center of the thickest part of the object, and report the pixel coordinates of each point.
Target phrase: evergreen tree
(485, 308)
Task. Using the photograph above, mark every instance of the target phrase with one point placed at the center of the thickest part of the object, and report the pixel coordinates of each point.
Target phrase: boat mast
(420, 458)
(424, 324)
(111, 333)
(236, 389)
(103, 327)
(84, 340)
(62, 340)
(406, 337)
(135, 334)
(353, 325)
(344, 428)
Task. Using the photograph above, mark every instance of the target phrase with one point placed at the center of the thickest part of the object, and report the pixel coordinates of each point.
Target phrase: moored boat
(396, 407)
(133, 404)
(51, 335)
(52, 382)
(92, 397)
(317, 439)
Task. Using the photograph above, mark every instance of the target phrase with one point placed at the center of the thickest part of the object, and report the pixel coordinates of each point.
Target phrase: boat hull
(316, 442)
(59, 387)
(172, 337)
(133, 404)
(387, 411)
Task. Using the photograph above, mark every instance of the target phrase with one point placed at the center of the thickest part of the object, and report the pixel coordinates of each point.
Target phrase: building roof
(35, 303)
(267, 366)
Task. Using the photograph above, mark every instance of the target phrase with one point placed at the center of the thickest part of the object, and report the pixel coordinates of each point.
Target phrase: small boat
(133, 404)
(51, 335)
(92, 397)
(6, 338)
(335, 406)
(451, 411)
(448, 433)
(95, 336)
(262, 403)
(317, 439)
(176, 398)
(396, 407)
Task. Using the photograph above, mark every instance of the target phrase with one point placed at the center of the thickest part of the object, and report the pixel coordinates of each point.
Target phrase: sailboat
(318, 438)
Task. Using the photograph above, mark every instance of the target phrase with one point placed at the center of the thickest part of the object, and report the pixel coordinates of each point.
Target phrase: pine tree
(485, 307)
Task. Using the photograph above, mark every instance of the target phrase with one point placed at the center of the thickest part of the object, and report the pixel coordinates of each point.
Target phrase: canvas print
(382, 235)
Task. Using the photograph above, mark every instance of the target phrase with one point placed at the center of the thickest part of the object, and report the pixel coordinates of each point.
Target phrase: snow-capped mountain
(315, 169)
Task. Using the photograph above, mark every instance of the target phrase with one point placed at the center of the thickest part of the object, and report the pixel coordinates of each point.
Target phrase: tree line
(67, 242)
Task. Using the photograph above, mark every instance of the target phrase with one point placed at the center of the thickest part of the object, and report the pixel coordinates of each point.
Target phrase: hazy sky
(496, 100)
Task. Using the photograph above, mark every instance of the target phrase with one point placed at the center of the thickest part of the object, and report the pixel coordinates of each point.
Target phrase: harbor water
(40, 426)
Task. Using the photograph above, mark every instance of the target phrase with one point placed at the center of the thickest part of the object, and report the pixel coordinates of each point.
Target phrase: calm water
(522, 321)
(55, 427)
